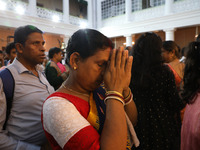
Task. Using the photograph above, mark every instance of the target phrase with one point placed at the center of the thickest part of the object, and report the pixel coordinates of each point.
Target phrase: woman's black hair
(52, 51)
(191, 76)
(146, 56)
(86, 42)
(170, 46)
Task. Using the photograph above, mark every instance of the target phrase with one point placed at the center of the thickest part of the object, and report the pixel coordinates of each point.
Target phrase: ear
(55, 55)
(74, 60)
(173, 51)
(19, 47)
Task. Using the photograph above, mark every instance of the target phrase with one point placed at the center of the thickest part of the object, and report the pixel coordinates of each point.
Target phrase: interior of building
(121, 20)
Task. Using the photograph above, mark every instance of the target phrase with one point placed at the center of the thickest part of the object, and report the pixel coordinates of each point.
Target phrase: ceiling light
(20, 9)
(2, 5)
(83, 25)
(55, 18)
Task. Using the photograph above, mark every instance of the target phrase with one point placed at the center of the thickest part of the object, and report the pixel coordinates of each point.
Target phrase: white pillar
(128, 10)
(66, 11)
(65, 40)
(89, 13)
(168, 7)
(99, 13)
(115, 44)
(169, 34)
(32, 7)
(128, 40)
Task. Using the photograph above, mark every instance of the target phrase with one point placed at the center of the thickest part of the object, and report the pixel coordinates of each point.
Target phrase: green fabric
(52, 76)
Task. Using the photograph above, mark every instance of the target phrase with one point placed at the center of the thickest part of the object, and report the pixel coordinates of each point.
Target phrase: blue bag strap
(8, 87)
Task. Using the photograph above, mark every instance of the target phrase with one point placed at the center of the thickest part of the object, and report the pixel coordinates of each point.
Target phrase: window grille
(111, 8)
(143, 4)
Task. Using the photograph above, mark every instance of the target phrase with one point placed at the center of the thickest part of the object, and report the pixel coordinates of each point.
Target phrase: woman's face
(166, 56)
(90, 71)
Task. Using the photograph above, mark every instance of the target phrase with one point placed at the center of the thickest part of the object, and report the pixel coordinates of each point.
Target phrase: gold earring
(75, 68)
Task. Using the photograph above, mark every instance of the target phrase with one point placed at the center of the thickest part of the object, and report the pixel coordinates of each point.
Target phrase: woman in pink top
(190, 132)
(62, 67)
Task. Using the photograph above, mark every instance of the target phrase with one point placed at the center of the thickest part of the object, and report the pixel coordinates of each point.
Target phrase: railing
(76, 20)
(12, 5)
(43, 12)
(186, 5)
(145, 14)
(48, 14)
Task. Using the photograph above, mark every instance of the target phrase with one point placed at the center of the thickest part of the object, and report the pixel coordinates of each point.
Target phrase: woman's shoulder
(163, 69)
(68, 101)
(69, 97)
(163, 73)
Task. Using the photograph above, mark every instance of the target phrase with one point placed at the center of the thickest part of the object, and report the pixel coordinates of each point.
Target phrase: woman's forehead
(102, 53)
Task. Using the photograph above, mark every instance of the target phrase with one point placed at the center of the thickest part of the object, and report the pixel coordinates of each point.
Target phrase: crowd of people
(144, 97)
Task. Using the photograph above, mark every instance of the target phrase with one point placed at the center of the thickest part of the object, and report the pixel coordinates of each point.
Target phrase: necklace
(75, 91)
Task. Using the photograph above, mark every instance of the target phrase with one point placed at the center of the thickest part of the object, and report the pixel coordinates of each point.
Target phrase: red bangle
(116, 95)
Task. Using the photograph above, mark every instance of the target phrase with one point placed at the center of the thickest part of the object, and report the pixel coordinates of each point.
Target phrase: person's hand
(118, 72)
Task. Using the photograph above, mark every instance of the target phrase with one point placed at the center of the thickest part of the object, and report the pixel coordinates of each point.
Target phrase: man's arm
(7, 142)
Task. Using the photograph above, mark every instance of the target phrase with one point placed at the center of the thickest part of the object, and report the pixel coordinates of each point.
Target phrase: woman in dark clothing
(155, 95)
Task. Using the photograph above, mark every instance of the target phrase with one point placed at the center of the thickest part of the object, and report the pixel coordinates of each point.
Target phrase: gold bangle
(114, 92)
(115, 95)
(128, 102)
(128, 98)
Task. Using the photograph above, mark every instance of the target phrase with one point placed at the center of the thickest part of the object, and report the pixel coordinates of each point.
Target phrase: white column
(65, 40)
(32, 7)
(115, 43)
(128, 10)
(169, 34)
(128, 40)
(99, 17)
(66, 11)
(168, 7)
(89, 13)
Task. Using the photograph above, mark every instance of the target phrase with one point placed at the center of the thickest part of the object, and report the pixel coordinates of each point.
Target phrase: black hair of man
(9, 47)
(21, 33)
(53, 50)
